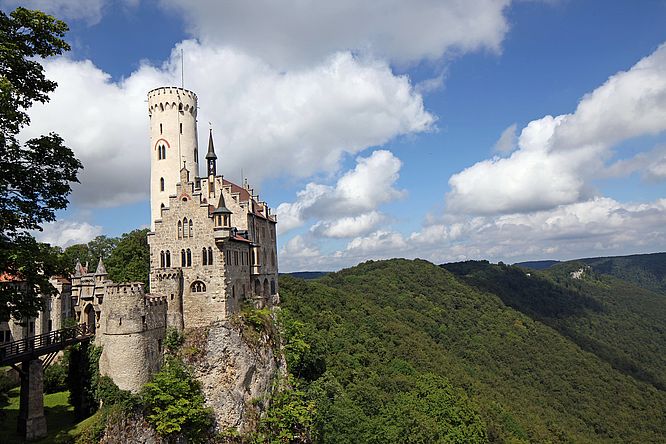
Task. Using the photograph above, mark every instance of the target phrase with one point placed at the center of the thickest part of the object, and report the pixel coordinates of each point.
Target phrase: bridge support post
(31, 419)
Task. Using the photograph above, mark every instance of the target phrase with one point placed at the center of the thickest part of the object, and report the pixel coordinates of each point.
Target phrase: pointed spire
(101, 269)
(211, 149)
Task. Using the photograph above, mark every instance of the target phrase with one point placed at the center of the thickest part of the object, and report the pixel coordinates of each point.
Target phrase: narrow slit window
(161, 183)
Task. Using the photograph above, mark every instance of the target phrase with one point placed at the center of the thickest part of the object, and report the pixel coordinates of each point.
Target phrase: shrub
(55, 377)
(174, 403)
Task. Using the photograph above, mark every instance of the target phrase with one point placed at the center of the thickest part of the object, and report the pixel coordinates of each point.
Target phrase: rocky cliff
(238, 366)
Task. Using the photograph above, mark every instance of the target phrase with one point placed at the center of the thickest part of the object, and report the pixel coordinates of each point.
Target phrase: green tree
(129, 261)
(100, 247)
(35, 176)
(175, 404)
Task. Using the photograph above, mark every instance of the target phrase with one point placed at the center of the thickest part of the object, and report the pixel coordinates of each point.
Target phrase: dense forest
(405, 351)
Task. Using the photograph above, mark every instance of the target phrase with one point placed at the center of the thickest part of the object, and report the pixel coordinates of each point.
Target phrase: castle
(212, 247)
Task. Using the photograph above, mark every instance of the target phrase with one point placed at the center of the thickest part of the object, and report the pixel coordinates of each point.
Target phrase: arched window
(189, 258)
(184, 227)
(265, 287)
(272, 286)
(162, 259)
(167, 256)
(163, 151)
(204, 257)
(198, 287)
(183, 259)
(210, 256)
(180, 229)
(272, 258)
(190, 228)
(161, 183)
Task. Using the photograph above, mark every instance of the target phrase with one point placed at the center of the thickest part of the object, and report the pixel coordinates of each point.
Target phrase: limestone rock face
(238, 368)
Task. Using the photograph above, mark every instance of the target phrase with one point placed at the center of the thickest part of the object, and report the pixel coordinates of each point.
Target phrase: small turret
(78, 268)
(101, 269)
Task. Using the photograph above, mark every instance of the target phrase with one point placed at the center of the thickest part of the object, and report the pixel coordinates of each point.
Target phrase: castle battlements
(168, 97)
(125, 289)
(155, 300)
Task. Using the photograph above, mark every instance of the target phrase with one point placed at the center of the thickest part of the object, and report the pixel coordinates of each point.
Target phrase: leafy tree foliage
(175, 404)
(129, 261)
(617, 321)
(289, 418)
(90, 253)
(408, 346)
(35, 176)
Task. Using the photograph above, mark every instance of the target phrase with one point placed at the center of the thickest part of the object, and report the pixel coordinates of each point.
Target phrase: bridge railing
(33, 345)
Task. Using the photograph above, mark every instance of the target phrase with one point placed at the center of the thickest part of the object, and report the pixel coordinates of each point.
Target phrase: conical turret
(101, 269)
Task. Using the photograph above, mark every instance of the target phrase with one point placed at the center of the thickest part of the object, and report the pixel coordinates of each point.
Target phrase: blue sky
(373, 129)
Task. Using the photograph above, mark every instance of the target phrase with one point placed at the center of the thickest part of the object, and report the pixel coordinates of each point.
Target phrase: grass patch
(59, 417)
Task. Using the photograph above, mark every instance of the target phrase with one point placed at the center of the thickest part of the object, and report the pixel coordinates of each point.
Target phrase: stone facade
(214, 242)
(133, 327)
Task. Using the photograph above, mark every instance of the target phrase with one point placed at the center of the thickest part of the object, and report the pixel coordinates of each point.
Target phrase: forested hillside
(645, 270)
(405, 351)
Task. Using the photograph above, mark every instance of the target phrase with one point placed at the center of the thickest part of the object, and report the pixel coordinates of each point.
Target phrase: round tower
(173, 143)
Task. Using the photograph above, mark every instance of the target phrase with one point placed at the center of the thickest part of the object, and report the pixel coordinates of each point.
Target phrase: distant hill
(616, 320)
(645, 270)
(306, 274)
(537, 265)
(406, 351)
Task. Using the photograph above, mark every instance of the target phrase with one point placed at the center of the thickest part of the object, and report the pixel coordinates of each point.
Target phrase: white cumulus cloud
(64, 233)
(558, 156)
(301, 32)
(351, 203)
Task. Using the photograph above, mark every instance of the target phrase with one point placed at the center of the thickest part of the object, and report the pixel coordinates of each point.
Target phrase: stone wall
(132, 327)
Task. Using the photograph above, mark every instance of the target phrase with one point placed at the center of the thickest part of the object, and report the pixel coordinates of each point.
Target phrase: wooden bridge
(31, 420)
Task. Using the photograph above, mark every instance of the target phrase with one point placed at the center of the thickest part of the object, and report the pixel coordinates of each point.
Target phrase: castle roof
(211, 149)
(221, 207)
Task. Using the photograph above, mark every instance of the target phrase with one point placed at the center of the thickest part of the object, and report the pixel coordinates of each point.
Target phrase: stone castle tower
(173, 142)
(212, 248)
(213, 243)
